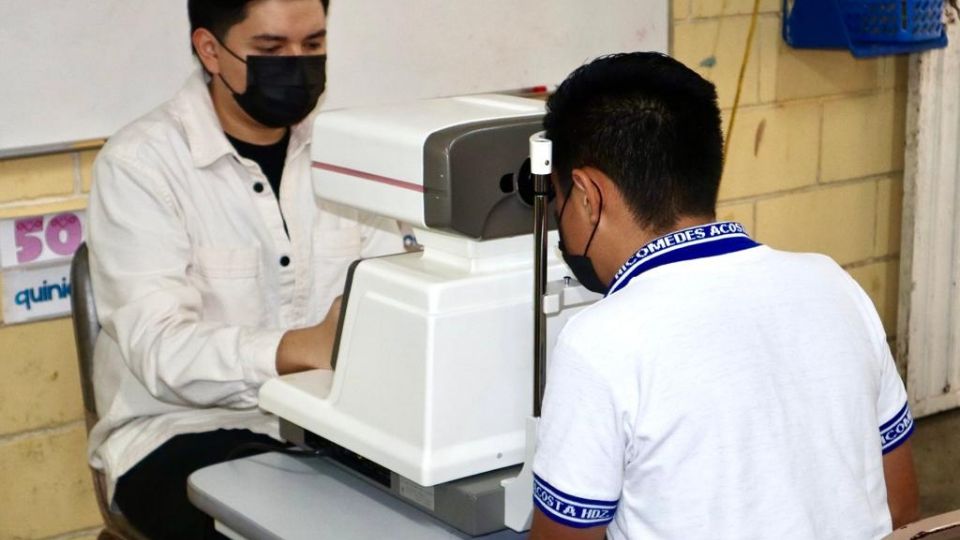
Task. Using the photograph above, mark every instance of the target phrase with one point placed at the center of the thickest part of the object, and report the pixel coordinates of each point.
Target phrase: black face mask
(281, 90)
(581, 265)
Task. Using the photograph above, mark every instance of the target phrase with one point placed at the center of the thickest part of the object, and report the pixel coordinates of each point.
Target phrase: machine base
(473, 505)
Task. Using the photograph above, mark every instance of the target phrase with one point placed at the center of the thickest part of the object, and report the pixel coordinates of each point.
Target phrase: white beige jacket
(187, 247)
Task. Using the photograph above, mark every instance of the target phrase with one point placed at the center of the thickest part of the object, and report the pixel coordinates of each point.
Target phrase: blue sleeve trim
(897, 430)
(570, 510)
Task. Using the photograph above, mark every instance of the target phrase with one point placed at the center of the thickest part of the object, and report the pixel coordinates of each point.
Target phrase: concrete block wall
(45, 486)
(816, 158)
(815, 165)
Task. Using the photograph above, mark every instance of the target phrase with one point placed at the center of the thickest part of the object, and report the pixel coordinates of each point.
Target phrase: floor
(936, 454)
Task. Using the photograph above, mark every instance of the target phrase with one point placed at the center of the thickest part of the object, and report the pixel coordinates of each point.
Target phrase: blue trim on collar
(698, 242)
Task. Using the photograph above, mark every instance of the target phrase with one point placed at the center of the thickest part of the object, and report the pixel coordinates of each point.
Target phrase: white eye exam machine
(433, 395)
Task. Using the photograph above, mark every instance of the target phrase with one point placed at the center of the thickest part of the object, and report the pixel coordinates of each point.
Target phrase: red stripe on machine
(367, 176)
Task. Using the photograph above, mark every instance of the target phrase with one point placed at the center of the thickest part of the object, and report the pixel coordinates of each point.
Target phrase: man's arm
(309, 348)
(140, 253)
(545, 528)
(312, 348)
(902, 495)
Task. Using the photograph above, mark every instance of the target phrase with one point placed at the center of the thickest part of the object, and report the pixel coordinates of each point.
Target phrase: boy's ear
(589, 191)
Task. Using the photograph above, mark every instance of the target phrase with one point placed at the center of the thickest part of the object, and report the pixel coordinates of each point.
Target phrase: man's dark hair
(219, 16)
(649, 123)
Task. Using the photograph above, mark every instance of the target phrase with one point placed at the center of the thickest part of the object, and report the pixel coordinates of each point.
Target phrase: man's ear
(205, 45)
(588, 196)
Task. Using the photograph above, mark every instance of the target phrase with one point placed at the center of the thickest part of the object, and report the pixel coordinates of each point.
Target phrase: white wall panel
(929, 327)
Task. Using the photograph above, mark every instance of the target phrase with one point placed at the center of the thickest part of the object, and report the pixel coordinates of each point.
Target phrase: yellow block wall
(45, 486)
(816, 158)
(815, 165)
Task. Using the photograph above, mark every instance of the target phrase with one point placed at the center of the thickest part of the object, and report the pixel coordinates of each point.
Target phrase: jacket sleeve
(140, 253)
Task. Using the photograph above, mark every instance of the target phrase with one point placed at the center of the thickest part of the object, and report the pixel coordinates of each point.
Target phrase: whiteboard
(76, 70)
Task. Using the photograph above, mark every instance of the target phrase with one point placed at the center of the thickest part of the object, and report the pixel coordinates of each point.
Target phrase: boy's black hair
(219, 16)
(649, 123)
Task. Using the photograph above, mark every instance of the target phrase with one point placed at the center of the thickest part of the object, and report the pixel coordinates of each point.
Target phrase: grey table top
(277, 496)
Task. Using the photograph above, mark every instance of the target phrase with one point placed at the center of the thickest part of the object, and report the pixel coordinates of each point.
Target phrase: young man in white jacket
(214, 265)
(721, 389)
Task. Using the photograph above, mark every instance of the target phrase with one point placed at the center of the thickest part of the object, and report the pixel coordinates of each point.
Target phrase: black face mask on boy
(581, 265)
(281, 90)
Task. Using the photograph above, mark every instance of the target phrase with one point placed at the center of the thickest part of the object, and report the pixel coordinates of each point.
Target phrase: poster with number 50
(38, 239)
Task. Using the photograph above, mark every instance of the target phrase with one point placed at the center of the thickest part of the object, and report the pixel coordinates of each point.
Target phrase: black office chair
(86, 327)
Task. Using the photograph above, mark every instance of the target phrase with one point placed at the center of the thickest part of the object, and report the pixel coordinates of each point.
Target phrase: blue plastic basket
(865, 27)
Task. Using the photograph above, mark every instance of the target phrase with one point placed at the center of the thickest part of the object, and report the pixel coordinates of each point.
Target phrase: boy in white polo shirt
(721, 389)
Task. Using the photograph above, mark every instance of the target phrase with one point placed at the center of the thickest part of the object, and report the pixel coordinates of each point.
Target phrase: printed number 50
(63, 236)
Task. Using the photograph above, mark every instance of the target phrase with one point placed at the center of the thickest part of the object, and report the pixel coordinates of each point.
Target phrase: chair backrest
(86, 327)
(940, 527)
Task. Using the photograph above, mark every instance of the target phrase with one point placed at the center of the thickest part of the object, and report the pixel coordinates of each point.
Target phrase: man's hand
(311, 347)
